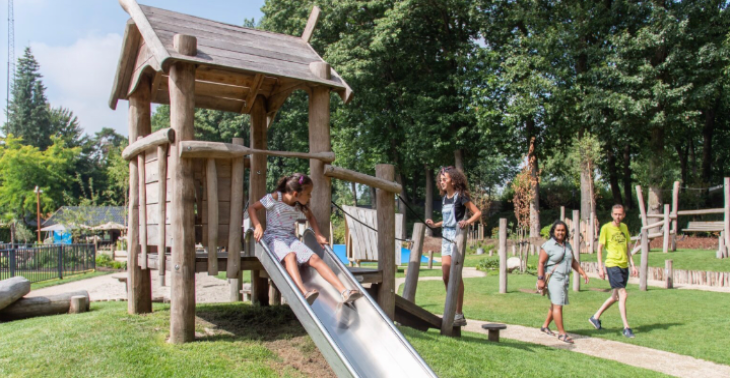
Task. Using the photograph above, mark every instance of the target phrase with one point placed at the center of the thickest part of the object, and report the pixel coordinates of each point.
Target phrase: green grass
(690, 259)
(107, 342)
(688, 322)
(245, 276)
(67, 279)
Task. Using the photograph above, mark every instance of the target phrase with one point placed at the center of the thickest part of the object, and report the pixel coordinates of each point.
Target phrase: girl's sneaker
(349, 296)
(459, 320)
(311, 296)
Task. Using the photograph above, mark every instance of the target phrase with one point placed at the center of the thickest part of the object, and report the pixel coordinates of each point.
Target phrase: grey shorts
(617, 277)
(283, 247)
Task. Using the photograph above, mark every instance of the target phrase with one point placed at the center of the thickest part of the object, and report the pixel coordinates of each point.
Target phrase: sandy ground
(207, 289)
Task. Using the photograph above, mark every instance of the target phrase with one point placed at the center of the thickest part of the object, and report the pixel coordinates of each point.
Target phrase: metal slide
(357, 340)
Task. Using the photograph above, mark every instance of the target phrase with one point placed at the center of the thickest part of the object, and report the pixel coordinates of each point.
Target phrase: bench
(704, 227)
(122, 279)
(246, 292)
(494, 329)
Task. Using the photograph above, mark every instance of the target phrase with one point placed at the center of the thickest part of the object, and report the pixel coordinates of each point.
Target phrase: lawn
(264, 342)
(688, 322)
(690, 259)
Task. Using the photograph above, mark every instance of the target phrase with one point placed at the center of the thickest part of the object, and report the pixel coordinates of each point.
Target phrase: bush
(106, 261)
(488, 264)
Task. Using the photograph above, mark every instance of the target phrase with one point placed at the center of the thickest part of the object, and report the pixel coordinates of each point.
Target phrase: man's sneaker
(459, 320)
(595, 322)
(628, 333)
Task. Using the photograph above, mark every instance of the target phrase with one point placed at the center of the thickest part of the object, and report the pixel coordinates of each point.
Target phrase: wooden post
(503, 255)
(452, 289)
(430, 259)
(562, 213)
(139, 293)
(589, 233)
(235, 225)
(675, 208)
(386, 240)
(182, 118)
(668, 274)
(414, 265)
(161, 211)
(642, 207)
(211, 186)
(257, 189)
(274, 295)
(644, 269)
(142, 208)
(727, 214)
(78, 304)
(576, 247)
(666, 226)
(319, 141)
(721, 247)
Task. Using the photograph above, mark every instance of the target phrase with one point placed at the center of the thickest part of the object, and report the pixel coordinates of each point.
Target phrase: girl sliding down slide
(282, 210)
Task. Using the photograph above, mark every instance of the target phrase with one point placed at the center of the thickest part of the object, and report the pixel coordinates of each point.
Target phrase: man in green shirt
(614, 238)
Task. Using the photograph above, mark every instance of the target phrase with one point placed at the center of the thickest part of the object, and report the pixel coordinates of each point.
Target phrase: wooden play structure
(361, 239)
(185, 192)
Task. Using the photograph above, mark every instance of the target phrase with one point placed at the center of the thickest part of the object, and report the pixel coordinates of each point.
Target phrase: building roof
(90, 216)
(234, 64)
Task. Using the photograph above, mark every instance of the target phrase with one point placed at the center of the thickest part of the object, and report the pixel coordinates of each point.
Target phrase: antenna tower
(11, 52)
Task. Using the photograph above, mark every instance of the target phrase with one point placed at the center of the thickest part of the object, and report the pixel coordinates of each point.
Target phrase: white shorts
(447, 247)
(283, 247)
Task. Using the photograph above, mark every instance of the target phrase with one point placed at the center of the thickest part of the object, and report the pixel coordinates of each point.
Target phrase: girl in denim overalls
(453, 186)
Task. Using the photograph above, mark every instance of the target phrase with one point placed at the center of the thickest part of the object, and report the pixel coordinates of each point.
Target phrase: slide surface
(357, 340)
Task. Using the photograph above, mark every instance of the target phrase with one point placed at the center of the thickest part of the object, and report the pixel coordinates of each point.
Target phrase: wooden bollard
(644, 269)
(430, 259)
(78, 304)
(576, 246)
(503, 255)
(414, 263)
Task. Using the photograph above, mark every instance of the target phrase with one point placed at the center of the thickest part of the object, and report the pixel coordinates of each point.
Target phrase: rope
(363, 223)
(421, 219)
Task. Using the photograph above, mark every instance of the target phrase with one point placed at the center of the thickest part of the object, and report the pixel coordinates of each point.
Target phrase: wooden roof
(234, 64)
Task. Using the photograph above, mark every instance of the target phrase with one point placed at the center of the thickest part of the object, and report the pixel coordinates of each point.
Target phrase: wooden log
(642, 206)
(218, 150)
(430, 259)
(235, 226)
(156, 139)
(666, 225)
(503, 255)
(361, 178)
(78, 304)
(701, 212)
(151, 39)
(13, 289)
(452, 288)
(274, 295)
(653, 225)
(319, 141)
(142, 210)
(139, 293)
(562, 213)
(182, 111)
(675, 208)
(721, 247)
(414, 263)
(644, 270)
(576, 247)
(211, 179)
(386, 241)
(257, 189)
(161, 209)
(31, 307)
(311, 23)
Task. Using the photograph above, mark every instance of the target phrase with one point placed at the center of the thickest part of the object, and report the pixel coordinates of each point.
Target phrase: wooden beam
(361, 178)
(182, 113)
(235, 225)
(452, 289)
(211, 188)
(642, 207)
(665, 223)
(414, 263)
(162, 207)
(311, 24)
(217, 150)
(142, 209)
(148, 33)
(253, 91)
(257, 189)
(726, 221)
(720, 210)
(125, 67)
(386, 241)
(160, 137)
(675, 208)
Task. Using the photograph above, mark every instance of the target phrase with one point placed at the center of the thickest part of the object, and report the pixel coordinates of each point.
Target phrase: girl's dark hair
(458, 179)
(556, 224)
(293, 183)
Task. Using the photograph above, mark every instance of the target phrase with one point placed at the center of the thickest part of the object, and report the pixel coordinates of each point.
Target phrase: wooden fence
(680, 276)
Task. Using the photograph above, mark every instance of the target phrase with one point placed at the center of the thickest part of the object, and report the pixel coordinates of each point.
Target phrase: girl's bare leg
(290, 263)
(326, 273)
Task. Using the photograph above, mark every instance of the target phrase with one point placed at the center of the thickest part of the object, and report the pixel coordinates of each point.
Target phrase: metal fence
(46, 262)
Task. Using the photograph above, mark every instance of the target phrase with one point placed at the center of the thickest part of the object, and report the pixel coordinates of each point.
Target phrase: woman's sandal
(349, 296)
(311, 296)
(566, 339)
(547, 331)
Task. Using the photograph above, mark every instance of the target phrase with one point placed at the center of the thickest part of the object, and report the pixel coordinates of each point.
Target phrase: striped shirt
(280, 218)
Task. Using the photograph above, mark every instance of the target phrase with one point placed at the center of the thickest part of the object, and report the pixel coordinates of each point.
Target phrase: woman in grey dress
(556, 259)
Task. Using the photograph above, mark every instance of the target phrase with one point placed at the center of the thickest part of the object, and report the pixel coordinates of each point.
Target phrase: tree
(65, 125)
(28, 115)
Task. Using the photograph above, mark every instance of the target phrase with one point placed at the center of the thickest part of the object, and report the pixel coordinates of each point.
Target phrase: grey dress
(560, 279)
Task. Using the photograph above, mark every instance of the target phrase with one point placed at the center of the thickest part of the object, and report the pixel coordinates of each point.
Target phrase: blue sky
(77, 43)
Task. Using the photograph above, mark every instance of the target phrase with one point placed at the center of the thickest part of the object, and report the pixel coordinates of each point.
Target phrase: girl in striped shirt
(282, 210)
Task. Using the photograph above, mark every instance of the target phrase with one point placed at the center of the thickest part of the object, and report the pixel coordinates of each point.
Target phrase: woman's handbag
(544, 290)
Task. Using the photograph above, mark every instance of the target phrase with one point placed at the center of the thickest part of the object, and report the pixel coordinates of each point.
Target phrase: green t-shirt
(615, 241)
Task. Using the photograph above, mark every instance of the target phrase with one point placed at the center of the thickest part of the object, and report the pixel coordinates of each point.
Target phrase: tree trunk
(373, 196)
(656, 145)
(707, 133)
(534, 173)
(41, 306)
(682, 162)
(428, 205)
(13, 289)
(692, 160)
(459, 159)
(12, 234)
(613, 175)
(628, 200)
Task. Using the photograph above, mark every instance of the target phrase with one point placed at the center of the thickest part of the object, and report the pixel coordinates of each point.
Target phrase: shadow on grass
(466, 337)
(590, 332)
(250, 322)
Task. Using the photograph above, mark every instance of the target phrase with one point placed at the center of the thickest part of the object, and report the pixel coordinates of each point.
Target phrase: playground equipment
(184, 192)
(361, 237)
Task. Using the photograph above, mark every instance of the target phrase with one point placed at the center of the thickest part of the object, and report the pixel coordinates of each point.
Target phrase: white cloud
(80, 76)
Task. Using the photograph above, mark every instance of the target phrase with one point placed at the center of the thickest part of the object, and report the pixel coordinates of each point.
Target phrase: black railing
(46, 262)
